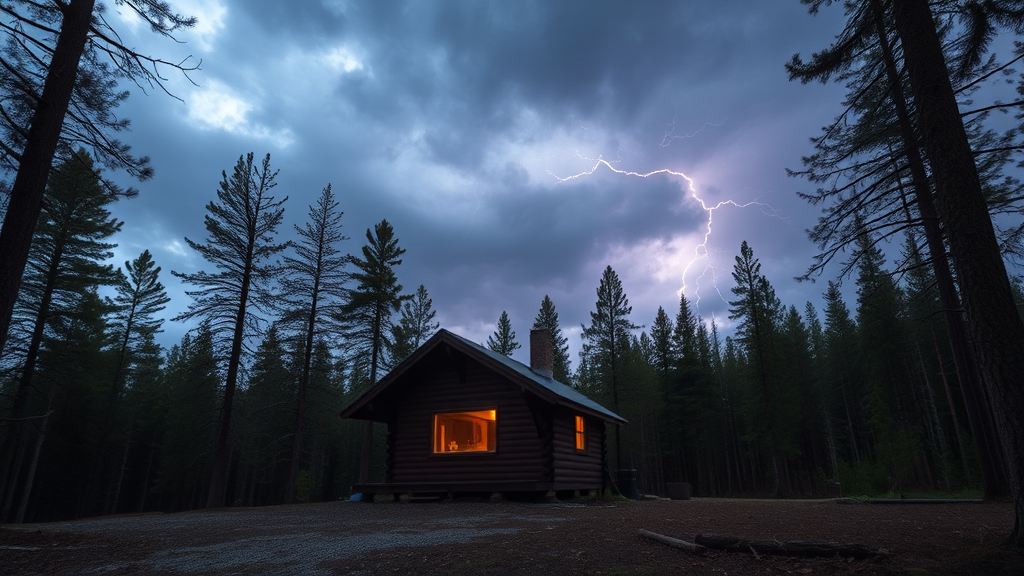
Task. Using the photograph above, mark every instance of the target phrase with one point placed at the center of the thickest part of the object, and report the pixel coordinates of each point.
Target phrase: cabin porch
(398, 489)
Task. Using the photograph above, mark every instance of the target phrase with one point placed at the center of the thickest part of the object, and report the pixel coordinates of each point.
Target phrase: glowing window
(581, 434)
(464, 431)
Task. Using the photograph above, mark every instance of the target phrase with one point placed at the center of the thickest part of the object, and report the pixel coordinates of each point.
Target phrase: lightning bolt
(700, 251)
(670, 131)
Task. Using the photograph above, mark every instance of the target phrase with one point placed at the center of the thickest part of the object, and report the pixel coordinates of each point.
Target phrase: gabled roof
(542, 386)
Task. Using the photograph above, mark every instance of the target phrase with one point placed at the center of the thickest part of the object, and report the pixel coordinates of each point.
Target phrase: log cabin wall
(577, 469)
(451, 382)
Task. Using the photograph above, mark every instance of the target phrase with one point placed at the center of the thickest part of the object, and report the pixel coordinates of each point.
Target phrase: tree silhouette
(547, 319)
(241, 227)
(414, 327)
(368, 309)
(70, 244)
(876, 165)
(994, 328)
(140, 295)
(770, 403)
(311, 298)
(607, 338)
(503, 341)
(58, 79)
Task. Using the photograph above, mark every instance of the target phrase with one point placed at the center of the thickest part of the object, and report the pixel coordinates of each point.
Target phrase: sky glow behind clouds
(457, 122)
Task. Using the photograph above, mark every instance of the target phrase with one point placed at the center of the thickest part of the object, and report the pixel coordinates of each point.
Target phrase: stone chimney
(542, 359)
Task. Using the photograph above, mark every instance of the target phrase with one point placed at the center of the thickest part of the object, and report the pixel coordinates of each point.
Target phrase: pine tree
(607, 338)
(73, 375)
(327, 433)
(311, 299)
(798, 412)
(880, 318)
(66, 260)
(241, 227)
(704, 345)
(928, 120)
(368, 309)
(265, 430)
(142, 416)
(684, 333)
(664, 351)
(140, 296)
(843, 369)
(760, 317)
(415, 326)
(673, 414)
(503, 341)
(891, 400)
(641, 440)
(586, 378)
(823, 395)
(994, 328)
(871, 157)
(758, 311)
(189, 404)
(731, 387)
(926, 333)
(547, 319)
(62, 56)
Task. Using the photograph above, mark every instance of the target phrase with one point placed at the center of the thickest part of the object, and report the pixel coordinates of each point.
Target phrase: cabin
(463, 419)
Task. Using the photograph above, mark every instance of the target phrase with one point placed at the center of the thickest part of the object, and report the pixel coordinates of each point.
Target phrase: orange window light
(456, 432)
(581, 434)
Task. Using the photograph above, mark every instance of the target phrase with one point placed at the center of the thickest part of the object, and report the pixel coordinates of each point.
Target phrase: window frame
(433, 435)
(580, 432)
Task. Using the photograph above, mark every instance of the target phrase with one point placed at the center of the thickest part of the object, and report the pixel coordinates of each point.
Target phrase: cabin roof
(540, 385)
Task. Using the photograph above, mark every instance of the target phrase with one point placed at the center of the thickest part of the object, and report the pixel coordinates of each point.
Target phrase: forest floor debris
(513, 538)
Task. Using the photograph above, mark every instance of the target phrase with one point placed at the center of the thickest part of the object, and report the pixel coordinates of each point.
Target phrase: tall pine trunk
(16, 441)
(300, 415)
(993, 324)
(300, 409)
(26, 197)
(366, 454)
(952, 411)
(222, 450)
(110, 507)
(976, 402)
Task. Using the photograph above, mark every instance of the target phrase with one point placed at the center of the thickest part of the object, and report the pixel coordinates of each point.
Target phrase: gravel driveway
(498, 538)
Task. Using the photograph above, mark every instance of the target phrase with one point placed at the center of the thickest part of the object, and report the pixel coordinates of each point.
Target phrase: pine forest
(904, 380)
(798, 402)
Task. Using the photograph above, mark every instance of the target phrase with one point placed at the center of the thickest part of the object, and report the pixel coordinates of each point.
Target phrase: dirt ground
(473, 537)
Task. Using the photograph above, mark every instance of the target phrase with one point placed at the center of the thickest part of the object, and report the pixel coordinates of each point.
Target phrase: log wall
(450, 383)
(574, 468)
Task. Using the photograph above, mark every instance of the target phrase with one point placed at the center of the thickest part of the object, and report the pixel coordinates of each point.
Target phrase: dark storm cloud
(453, 119)
(463, 67)
(553, 234)
(294, 18)
(466, 66)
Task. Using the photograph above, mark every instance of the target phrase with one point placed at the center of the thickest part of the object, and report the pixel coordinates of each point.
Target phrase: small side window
(581, 433)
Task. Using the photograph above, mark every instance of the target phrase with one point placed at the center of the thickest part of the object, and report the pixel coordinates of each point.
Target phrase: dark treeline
(859, 397)
(912, 154)
(98, 419)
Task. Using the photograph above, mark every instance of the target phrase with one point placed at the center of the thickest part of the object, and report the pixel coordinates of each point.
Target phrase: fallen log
(673, 542)
(789, 548)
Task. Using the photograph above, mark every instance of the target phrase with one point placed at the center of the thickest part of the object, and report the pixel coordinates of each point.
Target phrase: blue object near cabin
(355, 497)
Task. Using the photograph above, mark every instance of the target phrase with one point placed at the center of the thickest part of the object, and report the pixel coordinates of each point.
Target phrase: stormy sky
(463, 123)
